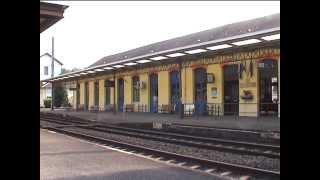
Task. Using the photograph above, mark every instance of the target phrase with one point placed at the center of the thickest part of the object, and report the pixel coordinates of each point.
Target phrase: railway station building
(229, 70)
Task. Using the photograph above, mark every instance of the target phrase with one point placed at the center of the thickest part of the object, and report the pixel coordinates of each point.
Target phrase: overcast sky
(92, 30)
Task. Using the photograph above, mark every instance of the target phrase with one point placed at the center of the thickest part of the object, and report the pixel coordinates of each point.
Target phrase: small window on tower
(46, 70)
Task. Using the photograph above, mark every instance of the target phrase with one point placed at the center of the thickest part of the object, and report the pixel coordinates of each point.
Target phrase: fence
(208, 110)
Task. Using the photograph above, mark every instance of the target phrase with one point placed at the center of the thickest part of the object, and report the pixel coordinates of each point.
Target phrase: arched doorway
(107, 93)
(78, 96)
(231, 89)
(96, 93)
(120, 94)
(86, 96)
(200, 87)
(154, 93)
(175, 90)
(268, 87)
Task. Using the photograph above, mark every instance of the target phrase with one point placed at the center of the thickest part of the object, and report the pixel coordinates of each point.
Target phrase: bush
(47, 103)
(60, 96)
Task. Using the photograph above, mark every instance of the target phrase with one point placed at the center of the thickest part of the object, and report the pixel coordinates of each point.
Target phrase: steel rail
(234, 167)
(185, 141)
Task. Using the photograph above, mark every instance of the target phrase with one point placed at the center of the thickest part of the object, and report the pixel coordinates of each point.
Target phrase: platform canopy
(50, 14)
(259, 32)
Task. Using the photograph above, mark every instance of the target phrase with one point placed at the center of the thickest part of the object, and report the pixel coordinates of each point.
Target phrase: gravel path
(248, 160)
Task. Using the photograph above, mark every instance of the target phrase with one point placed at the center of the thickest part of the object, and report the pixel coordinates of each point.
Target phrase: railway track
(271, 151)
(210, 166)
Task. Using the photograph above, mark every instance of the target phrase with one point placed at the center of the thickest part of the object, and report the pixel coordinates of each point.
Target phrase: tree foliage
(60, 96)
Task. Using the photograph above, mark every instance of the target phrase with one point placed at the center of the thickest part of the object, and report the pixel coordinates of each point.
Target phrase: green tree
(60, 96)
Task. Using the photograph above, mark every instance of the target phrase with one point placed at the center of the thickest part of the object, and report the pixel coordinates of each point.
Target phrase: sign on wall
(214, 92)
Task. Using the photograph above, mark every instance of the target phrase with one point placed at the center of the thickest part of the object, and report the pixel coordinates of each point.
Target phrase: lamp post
(52, 72)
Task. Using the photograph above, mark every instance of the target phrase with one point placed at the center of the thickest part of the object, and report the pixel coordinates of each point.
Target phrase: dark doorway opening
(86, 96)
(120, 94)
(175, 90)
(268, 81)
(107, 93)
(78, 96)
(231, 89)
(200, 86)
(154, 93)
(96, 93)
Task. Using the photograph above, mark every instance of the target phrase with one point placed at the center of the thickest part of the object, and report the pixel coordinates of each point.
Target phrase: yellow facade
(144, 93)
(187, 85)
(127, 90)
(82, 93)
(212, 65)
(101, 94)
(91, 93)
(163, 87)
(248, 83)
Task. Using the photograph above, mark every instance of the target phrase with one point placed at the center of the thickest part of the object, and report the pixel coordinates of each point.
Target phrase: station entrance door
(200, 87)
(231, 89)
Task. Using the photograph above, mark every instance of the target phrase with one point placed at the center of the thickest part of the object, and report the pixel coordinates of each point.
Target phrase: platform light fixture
(271, 37)
(143, 61)
(98, 70)
(158, 58)
(83, 73)
(130, 64)
(245, 42)
(222, 46)
(90, 72)
(175, 55)
(196, 51)
(118, 66)
(108, 68)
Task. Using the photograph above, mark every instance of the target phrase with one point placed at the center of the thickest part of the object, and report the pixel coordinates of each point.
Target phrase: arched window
(136, 89)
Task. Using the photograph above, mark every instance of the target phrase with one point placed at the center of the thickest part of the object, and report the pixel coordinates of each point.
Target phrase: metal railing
(236, 110)
(209, 110)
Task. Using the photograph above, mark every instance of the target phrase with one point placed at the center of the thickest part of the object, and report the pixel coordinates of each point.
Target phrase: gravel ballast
(247, 160)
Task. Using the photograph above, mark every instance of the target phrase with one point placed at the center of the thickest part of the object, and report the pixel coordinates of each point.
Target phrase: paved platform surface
(232, 122)
(66, 158)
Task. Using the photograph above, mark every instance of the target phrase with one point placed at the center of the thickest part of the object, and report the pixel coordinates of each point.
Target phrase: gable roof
(222, 32)
(47, 54)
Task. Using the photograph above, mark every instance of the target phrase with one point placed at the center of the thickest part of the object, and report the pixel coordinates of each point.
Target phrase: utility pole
(52, 72)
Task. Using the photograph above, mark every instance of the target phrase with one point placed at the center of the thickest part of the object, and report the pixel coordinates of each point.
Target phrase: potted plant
(247, 95)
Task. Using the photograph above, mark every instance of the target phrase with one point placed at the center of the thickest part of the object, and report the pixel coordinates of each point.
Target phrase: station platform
(230, 122)
(66, 158)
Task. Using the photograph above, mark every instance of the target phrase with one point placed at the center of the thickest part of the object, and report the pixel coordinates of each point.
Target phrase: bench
(166, 108)
(109, 108)
(142, 108)
(129, 108)
(94, 109)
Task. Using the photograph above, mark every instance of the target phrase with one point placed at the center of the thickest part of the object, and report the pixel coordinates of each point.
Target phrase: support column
(114, 93)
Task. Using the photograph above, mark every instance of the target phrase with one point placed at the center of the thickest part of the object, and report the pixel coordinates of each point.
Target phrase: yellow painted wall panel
(127, 90)
(82, 93)
(163, 87)
(101, 94)
(248, 83)
(91, 93)
(187, 85)
(216, 70)
(144, 93)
